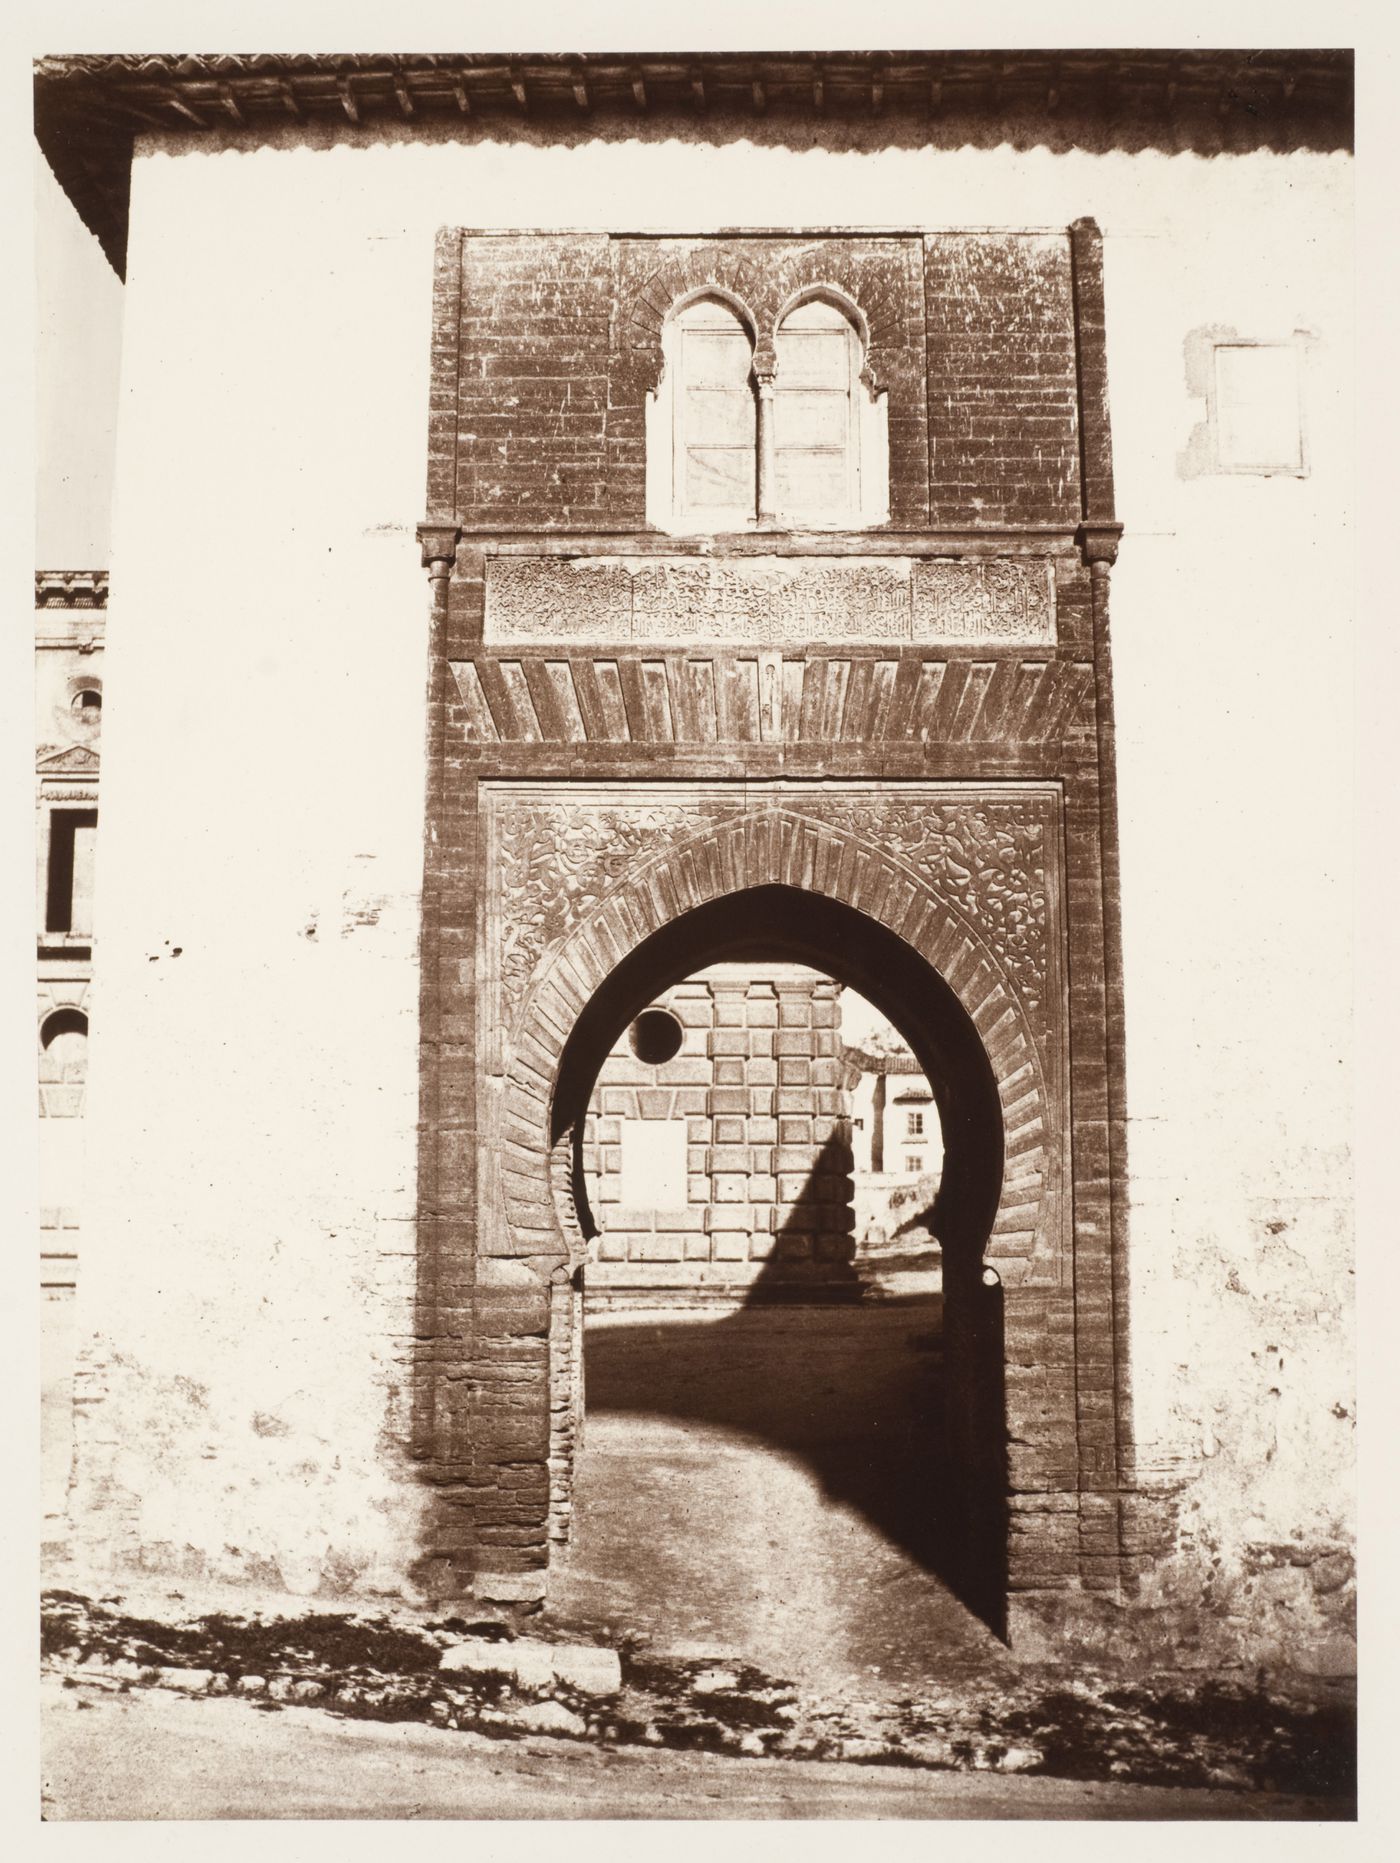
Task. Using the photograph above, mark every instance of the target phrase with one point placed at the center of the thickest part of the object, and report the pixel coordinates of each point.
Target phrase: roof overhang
(89, 109)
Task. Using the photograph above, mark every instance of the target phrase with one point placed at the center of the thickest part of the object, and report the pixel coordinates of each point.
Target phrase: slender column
(765, 371)
(1100, 552)
(438, 542)
(1098, 538)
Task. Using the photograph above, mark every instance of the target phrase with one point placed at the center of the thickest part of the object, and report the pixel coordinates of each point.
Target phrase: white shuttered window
(716, 426)
(816, 437)
(744, 434)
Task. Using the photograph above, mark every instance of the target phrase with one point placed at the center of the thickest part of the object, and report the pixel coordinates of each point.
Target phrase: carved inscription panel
(770, 598)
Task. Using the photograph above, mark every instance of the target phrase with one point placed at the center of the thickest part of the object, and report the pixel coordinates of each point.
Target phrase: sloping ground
(155, 1755)
(1161, 1731)
(759, 1531)
(703, 1543)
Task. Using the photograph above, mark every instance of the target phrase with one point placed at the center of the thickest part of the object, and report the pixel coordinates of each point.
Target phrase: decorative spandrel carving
(769, 598)
(986, 858)
(556, 859)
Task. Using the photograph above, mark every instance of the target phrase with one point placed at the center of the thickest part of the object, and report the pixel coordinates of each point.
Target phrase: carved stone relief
(779, 598)
(554, 861)
(991, 601)
(985, 859)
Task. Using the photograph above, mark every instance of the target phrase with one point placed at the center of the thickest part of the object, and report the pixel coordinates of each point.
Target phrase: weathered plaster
(253, 1182)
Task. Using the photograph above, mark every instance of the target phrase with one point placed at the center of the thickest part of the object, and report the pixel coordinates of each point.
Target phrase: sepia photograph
(693, 810)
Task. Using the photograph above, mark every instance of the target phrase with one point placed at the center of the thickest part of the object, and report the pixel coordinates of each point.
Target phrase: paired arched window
(792, 440)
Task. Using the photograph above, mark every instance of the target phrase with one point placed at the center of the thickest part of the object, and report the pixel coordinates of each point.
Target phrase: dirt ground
(157, 1756)
(760, 1534)
(782, 1460)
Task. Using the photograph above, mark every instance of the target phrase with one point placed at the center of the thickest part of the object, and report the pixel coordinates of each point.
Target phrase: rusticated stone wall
(761, 1122)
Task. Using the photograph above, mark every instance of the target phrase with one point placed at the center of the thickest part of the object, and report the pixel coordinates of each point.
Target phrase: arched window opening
(830, 449)
(63, 1041)
(815, 413)
(799, 442)
(715, 415)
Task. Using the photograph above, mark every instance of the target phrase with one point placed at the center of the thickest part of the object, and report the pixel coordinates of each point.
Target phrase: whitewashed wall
(253, 1100)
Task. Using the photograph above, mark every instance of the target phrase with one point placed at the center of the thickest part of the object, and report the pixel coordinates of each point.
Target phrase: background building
(695, 1175)
(68, 642)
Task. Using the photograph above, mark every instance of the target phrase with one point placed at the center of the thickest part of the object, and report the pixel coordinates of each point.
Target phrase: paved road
(155, 1755)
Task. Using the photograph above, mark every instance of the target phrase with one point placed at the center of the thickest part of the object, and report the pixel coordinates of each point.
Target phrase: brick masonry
(546, 346)
(676, 777)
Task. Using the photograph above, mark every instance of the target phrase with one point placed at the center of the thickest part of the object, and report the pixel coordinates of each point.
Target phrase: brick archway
(963, 882)
(774, 848)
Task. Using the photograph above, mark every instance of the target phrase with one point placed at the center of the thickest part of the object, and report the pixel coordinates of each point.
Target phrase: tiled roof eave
(89, 109)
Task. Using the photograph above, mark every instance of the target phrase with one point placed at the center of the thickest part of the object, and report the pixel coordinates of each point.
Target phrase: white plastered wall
(253, 1100)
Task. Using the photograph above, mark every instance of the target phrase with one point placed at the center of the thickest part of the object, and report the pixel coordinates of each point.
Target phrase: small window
(816, 434)
(1257, 408)
(87, 706)
(914, 1127)
(72, 850)
(63, 1040)
(914, 1164)
(655, 1037)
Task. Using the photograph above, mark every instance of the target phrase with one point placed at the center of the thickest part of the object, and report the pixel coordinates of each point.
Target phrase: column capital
(1099, 542)
(438, 539)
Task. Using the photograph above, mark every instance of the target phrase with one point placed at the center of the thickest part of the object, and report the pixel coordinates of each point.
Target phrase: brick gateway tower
(770, 620)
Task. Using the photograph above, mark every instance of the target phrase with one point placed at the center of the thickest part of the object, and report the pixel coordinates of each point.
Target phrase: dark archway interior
(769, 923)
(66, 1021)
(921, 1447)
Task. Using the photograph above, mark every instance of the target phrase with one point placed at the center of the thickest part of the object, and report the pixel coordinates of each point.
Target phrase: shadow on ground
(834, 1363)
(854, 1392)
